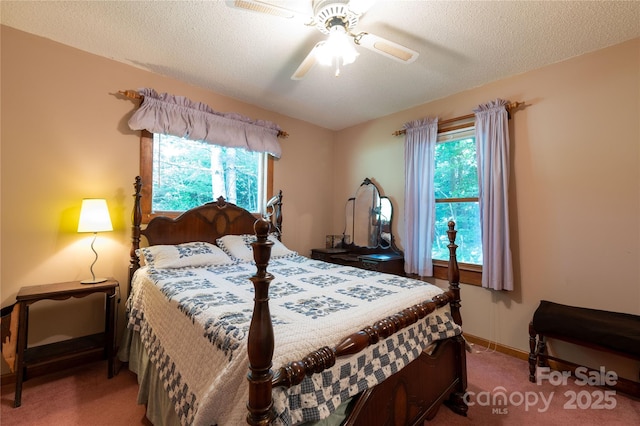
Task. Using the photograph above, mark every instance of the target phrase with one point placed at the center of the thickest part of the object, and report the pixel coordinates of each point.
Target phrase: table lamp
(94, 217)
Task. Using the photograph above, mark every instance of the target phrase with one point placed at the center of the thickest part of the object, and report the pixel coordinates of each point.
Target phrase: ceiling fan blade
(359, 7)
(386, 47)
(307, 63)
(265, 8)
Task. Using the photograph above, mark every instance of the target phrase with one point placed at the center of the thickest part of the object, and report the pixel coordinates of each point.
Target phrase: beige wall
(574, 189)
(575, 185)
(65, 137)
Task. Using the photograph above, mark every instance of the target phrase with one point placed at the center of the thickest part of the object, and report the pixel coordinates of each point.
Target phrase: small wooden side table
(68, 352)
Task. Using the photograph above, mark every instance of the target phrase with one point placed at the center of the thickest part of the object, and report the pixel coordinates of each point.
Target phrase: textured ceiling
(251, 56)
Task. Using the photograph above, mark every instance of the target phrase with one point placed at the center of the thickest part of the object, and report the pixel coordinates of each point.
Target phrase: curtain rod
(132, 94)
(510, 107)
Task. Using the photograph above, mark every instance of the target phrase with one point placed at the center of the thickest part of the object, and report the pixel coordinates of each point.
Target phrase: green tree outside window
(189, 173)
(456, 193)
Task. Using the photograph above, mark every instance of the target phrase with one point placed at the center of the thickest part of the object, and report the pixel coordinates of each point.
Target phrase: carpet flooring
(520, 402)
(84, 396)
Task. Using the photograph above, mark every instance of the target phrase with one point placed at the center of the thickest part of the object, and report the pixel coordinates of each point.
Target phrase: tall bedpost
(454, 274)
(136, 219)
(457, 401)
(260, 341)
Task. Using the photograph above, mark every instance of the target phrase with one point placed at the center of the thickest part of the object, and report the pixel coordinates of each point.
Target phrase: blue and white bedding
(194, 321)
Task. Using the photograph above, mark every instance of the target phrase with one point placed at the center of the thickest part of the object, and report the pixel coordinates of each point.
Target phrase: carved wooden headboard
(207, 223)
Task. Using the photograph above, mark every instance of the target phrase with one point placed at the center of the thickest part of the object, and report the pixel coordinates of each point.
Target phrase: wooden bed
(410, 396)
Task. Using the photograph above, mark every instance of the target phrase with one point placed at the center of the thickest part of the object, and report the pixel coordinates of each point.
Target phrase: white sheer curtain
(419, 196)
(179, 116)
(492, 140)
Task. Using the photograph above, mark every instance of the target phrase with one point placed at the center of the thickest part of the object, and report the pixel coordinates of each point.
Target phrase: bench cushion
(619, 332)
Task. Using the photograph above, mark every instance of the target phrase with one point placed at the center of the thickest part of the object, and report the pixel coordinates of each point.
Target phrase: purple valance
(182, 117)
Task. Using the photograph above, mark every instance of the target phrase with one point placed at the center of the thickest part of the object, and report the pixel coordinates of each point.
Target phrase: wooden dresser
(391, 263)
(367, 241)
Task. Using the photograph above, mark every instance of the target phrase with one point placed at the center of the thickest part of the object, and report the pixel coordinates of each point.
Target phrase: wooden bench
(612, 332)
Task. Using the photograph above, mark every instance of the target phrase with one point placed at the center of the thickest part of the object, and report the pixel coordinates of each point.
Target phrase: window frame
(146, 174)
(469, 273)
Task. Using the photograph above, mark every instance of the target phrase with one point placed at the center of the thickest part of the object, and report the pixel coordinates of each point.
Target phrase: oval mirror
(368, 218)
(366, 208)
(385, 222)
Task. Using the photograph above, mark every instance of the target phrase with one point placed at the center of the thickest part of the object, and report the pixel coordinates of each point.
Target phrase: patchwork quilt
(194, 324)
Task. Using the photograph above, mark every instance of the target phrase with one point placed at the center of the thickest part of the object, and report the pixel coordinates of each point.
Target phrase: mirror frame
(381, 243)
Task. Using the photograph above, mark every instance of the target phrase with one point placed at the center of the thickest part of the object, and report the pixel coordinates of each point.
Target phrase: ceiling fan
(337, 19)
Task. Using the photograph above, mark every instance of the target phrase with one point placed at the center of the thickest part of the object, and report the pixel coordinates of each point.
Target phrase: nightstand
(41, 359)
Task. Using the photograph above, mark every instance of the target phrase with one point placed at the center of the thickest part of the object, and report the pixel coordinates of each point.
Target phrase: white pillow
(239, 247)
(183, 255)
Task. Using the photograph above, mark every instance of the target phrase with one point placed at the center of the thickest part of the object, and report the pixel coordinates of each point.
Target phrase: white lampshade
(94, 216)
(337, 48)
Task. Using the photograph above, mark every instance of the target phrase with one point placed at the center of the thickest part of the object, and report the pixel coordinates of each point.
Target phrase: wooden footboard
(408, 397)
(415, 393)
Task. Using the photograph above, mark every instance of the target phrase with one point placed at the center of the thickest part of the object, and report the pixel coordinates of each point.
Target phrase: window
(456, 194)
(185, 174)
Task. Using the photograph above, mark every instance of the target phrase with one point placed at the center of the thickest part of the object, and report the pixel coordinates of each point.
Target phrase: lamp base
(94, 281)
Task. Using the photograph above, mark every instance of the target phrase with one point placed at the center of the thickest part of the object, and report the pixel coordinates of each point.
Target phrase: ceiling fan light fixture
(337, 19)
(337, 50)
